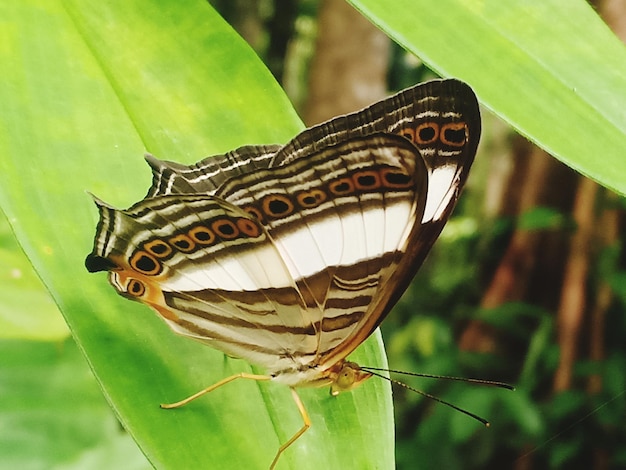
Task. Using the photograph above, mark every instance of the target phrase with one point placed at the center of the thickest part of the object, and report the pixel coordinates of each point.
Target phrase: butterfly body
(290, 256)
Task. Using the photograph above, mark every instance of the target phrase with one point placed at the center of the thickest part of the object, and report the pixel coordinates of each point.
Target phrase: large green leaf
(87, 87)
(36, 319)
(53, 415)
(551, 68)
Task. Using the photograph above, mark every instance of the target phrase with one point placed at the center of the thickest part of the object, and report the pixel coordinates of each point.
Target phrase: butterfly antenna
(374, 371)
(492, 383)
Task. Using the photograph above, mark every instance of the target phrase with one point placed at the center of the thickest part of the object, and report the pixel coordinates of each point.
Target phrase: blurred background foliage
(525, 285)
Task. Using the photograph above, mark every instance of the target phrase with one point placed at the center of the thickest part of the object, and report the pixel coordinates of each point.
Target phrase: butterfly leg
(242, 375)
(294, 438)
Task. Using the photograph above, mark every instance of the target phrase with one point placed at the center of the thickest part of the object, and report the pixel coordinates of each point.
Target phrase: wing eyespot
(183, 243)
(135, 288)
(454, 134)
(394, 178)
(225, 229)
(248, 227)
(202, 235)
(310, 199)
(158, 248)
(426, 133)
(145, 263)
(277, 205)
(256, 213)
(341, 187)
(366, 180)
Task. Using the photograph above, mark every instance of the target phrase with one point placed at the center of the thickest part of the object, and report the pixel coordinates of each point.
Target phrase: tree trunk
(349, 69)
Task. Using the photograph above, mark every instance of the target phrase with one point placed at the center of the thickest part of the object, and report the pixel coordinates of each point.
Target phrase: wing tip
(96, 263)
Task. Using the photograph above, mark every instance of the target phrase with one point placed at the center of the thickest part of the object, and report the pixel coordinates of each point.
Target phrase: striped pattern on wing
(233, 292)
(440, 117)
(294, 291)
(290, 256)
(209, 174)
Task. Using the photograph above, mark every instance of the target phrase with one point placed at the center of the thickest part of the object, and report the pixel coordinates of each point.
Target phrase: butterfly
(290, 256)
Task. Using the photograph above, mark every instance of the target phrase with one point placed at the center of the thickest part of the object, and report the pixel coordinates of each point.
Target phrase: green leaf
(530, 422)
(543, 218)
(551, 68)
(87, 88)
(37, 319)
(53, 415)
(617, 281)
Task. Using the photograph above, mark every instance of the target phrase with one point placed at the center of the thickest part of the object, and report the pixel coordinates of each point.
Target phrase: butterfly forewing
(441, 118)
(340, 219)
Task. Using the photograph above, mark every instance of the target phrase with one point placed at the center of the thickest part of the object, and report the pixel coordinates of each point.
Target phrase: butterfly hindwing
(206, 270)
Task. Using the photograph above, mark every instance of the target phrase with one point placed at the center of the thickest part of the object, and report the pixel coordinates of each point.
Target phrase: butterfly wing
(329, 230)
(263, 269)
(442, 119)
(209, 174)
(210, 270)
(340, 218)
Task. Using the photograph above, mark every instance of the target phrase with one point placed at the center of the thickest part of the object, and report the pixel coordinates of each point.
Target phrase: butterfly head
(348, 377)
